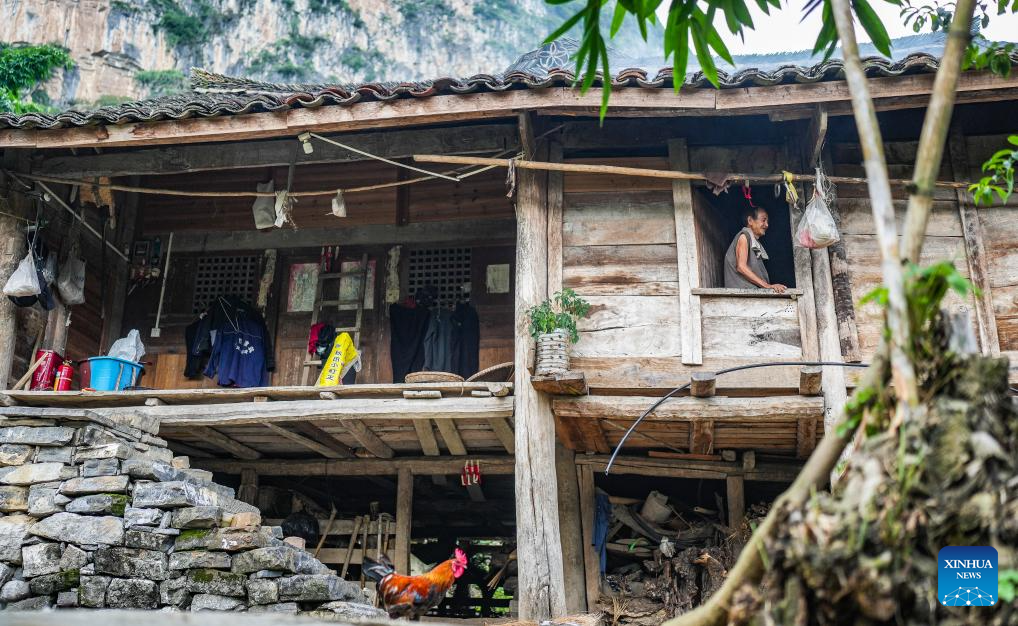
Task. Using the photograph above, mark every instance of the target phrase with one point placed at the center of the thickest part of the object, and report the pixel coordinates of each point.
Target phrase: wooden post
(591, 560)
(703, 384)
(113, 308)
(975, 251)
(571, 528)
(404, 513)
(539, 546)
(736, 497)
(12, 249)
(810, 380)
(688, 264)
(248, 491)
(555, 213)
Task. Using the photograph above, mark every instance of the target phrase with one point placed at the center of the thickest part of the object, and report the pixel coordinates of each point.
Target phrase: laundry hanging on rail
(234, 338)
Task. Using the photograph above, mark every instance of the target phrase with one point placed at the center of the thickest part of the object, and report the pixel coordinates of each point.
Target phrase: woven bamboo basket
(552, 353)
(433, 377)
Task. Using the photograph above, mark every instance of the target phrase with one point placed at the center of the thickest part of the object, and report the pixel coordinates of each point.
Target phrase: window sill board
(745, 293)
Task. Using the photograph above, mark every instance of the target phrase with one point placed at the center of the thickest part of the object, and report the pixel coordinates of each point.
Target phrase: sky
(782, 32)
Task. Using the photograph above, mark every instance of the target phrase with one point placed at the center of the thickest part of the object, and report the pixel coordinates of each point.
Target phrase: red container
(49, 361)
(65, 374)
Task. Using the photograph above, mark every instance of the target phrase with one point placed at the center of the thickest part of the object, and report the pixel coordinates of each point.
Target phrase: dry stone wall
(99, 513)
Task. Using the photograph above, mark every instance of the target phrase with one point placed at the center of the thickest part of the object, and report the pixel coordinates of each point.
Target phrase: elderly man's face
(758, 224)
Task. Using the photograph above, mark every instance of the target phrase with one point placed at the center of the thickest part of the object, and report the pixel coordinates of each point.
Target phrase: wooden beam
(555, 218)
(451, 435)
(404, 515)
(688, 264)
(591, 560)
(718, 408)
(12, 250)
(735, 490)
(802, 263)
(805, 437)
(307, 442)
(504, 432)
(571, 383)
(248, 489)
(324, 438)
(701, 437)
(426, 435)
(679, 468)
(810, 380)
(234, 414)
(417, 233)
(571, 529)
(395, 144)
(703, 384)
(491, 465)
(232, 446)
(367, 438)
(817, 133)
(541, 592)
(975, 250)
(191, 451)
(113, 308)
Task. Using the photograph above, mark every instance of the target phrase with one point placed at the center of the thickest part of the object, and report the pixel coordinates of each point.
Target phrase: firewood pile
(665, 559)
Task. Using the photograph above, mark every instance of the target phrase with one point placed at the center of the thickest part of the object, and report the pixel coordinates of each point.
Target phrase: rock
(173, 591)
(43, 558)
(216, 582)
(6, 574)
(262, 591)
(132, 593)
(147, 540)
(38, 473)
(131, 563)
(81, 529)
(37, 436)
(32, 604)
(354, 611)
(199, 559)
(196, 517)
(67, 599)
(73, 557)
(45, 500)
(194, 539)
(96, 484)
(208, 602)
(15, 590)
(52, 583)
(138, 468)
(88, 569)
(283, 607)
(13, 531)
(172, 495)
(236, 539)
(181, 462)
(13, 499)
(317, 587)
(99, 504)
(92, 591)
(238, 520)
(105, 451)
(282, 558)
(55, 455)
(100, 467)
(15, 454)
(266, 573)
(297, 542)
(141, 517)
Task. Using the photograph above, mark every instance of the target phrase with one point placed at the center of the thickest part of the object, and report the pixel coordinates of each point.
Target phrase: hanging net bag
(817, 228)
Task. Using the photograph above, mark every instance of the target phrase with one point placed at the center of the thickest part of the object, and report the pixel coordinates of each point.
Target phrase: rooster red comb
(460, 556)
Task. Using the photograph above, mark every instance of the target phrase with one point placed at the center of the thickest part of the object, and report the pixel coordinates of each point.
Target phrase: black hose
(729, 370)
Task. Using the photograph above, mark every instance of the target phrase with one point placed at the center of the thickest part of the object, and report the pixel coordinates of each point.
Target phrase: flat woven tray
(433, 377)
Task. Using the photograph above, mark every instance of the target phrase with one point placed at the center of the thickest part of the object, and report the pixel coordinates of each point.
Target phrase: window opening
(235, 275)
(447, 269)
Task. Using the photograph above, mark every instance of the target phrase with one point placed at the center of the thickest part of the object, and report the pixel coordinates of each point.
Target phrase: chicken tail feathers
(377, 570)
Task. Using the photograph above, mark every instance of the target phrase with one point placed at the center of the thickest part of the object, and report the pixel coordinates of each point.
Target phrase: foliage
(22, 68)
(188, 28)
(1007, 585)
(495, 10)
(160, 82)
(560, 311)
(1001, 179)
(417, 10)
(109, 100)
(124, 7)
(364, 61)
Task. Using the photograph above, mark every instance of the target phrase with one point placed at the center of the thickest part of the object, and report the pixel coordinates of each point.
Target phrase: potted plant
(553, 327)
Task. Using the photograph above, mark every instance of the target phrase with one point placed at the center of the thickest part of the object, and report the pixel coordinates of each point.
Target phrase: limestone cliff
(128, 49)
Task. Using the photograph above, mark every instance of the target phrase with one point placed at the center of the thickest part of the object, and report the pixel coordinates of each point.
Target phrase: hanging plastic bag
(817, 228)
(25, 279)
(71, 280)
(264, 207)
(49, 269)
(129, 348)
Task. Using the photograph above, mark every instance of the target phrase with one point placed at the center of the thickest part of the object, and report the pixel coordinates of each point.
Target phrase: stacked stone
(96, 512)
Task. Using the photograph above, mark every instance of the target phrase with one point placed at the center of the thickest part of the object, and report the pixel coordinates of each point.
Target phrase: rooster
(414, 596)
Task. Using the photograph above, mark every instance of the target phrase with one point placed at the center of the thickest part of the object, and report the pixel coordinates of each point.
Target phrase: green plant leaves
(560, 311)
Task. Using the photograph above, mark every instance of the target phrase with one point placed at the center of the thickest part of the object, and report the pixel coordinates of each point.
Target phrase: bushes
(24, 67)
(160, 82)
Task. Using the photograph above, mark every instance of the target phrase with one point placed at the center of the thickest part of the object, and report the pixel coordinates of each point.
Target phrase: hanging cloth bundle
(71, 277)
(817, 229)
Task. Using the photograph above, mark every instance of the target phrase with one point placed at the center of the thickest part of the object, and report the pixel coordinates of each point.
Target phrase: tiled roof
(214, 95)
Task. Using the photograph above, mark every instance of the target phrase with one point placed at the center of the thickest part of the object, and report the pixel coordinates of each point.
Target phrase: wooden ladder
(320, 305)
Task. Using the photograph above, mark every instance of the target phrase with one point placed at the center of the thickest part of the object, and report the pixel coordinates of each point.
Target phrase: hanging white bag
(817, 228)
(264, 207)
(129, 348)
(71, 280)
(25, 280)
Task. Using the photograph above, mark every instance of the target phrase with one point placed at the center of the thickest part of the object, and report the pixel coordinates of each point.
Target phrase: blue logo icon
(967, 576)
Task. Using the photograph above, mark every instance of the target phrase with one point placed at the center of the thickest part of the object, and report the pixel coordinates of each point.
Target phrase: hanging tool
(349, 548)
(328, 529)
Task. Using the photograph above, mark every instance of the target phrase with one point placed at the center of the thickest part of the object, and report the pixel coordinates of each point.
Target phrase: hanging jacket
(466, 340)
(230, 319)
(408, 326)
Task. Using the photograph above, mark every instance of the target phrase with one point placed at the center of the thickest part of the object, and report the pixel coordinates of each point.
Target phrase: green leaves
(1000, 179)
(827, 39)
(24, 67)
(1007, 585)
(560, 311)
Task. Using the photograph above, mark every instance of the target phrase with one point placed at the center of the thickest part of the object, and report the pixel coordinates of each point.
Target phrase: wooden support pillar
(975, 251)
(736, 497)
(591, 560)
(248, 491)
(404, 513)
(12, 249)
(539, 546)
(571, 528)
(116, 296)
(703, 384)
(810, 380)
(691, 338)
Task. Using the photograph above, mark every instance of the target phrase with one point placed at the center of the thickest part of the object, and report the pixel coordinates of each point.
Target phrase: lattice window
(448, 269)
(235, 275)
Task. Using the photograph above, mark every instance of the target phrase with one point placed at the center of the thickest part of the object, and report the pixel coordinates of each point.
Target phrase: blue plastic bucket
(112, 374)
